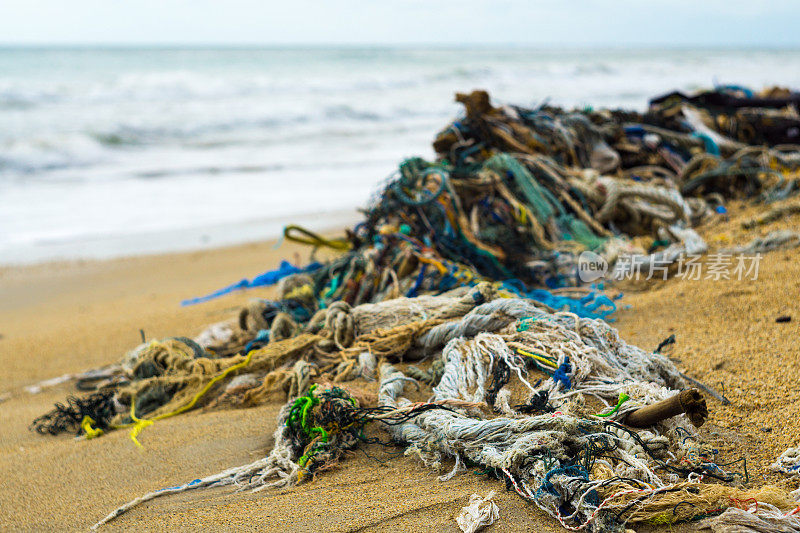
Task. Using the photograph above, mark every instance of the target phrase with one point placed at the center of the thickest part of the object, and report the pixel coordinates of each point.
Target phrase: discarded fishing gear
(516, 194)
(471, 260)
(606, 175)
(788, 462)
(513, 198)
(314, 430)
(578, 458)
(79, 415)
(160, 379)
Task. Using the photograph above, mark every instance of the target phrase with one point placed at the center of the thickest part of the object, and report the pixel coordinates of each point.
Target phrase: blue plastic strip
(270, 277)
(593, 305)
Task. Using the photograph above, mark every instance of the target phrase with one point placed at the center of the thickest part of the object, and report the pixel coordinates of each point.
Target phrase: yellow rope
(302, 292)
(139, 424)
(538, 358)
(86, 426)
(313, 239)
(431, 261)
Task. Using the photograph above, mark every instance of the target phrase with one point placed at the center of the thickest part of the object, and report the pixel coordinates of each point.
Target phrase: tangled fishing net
(467, 267)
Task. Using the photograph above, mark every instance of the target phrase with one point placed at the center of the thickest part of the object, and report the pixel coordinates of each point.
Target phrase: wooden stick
(689, 401)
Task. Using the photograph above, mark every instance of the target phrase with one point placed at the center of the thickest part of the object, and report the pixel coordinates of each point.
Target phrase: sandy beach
(500, 278)
(58, 318)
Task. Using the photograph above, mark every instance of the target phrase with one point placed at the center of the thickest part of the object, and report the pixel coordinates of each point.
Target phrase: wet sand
(69, 317)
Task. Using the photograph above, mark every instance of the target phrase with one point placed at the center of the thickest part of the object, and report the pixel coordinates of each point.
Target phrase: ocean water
(108, 152)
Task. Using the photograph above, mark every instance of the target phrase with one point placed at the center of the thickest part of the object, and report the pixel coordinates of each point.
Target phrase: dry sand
(69, 317)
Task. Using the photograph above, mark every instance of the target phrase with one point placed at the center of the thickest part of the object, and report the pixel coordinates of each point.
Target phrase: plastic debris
(471, 261)
(480, 512)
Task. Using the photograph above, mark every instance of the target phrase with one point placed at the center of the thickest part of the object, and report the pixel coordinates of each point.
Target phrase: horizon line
(430, 45)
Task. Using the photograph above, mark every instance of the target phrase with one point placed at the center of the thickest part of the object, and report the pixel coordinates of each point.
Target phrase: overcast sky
(746, 23)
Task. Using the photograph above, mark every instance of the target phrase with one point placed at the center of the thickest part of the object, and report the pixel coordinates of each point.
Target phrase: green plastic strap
(622, 399)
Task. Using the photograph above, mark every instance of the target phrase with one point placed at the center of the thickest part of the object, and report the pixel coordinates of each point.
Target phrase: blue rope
(709, 143)
(412, 292)
(562, 374)
(593, 305)
(732, 87)
(270, 277)
(548, 487)
(261, 338)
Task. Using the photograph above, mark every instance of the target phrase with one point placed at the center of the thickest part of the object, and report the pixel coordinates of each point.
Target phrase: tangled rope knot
(251, 317)
(340, 325)
(641, 202)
